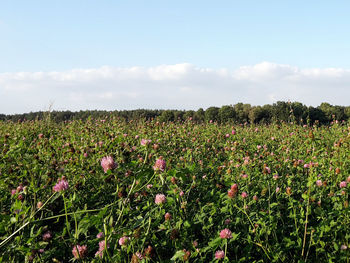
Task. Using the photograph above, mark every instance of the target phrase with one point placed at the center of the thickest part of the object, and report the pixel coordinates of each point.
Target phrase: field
(142, 191)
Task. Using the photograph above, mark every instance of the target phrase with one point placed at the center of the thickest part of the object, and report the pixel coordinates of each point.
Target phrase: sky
(162, 54)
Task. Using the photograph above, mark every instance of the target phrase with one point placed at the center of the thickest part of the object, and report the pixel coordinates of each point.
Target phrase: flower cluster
(159, 165)
(123, 241)
(160, 199)
(102, 247)
(145, 142)
(79, 252)
(61, 185)
(219, 254)
(226, 233)
(108, 163)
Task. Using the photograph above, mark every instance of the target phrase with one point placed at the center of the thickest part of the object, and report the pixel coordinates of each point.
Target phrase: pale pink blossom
(342, 184)
(159, 165)
(124, 240)
(102, 247)
(145, 142)
(108, 163)
(219, 254)
(160, 199)
(100, 235)
(343, 247)
(79, 252)
(47, 236)
(226, 233)
(61, 185)
(319, 183)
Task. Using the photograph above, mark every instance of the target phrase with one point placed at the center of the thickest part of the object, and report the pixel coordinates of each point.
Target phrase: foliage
(281, 189)
(239, 113)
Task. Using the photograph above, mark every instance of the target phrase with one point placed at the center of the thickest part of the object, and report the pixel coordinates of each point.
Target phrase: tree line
(280, 111)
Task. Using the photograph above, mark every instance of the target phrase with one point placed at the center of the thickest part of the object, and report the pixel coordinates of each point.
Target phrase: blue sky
(60, 36)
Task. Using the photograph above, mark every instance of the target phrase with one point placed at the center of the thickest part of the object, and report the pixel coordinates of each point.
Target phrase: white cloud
(180, 86)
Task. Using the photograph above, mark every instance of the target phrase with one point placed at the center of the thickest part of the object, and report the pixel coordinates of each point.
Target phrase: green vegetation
(238, 113)
(176, 191)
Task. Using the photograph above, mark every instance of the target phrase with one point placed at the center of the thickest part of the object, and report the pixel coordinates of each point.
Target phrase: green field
(173, 192)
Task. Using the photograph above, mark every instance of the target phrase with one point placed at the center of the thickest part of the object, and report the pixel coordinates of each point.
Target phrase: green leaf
(177, 255)
(215, 242)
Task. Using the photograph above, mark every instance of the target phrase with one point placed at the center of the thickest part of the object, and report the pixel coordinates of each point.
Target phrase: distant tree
(199, 115)
(260, 114)
(166, 116)
(189, 114)
(226, 114)
(299, 112)
(212, 114)
(242, 112)
(316, 114)
(281, 111)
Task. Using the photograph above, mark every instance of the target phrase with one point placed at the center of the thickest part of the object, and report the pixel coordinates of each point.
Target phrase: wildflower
(255, 198)
(47, 236)
(319, 183)
(343, 247)
(61, 185)
(234, 187)
(123, 241)
(173, 180)
(342, 184)
(277, 189)
(187, 255)
(233, 132)
(108, 163)
(39, 205)
(79, 252)
(100, 235)
(167, 216)
(13, 191)
(182, 193)
(160, 199)
(145, 142)
(159, 165)
(244, 195)
(219, 254)
(231, 193)
(149, 252)
(226, 233)
(102, 246)
(149, 186)
(19, 188)
(139, 255)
